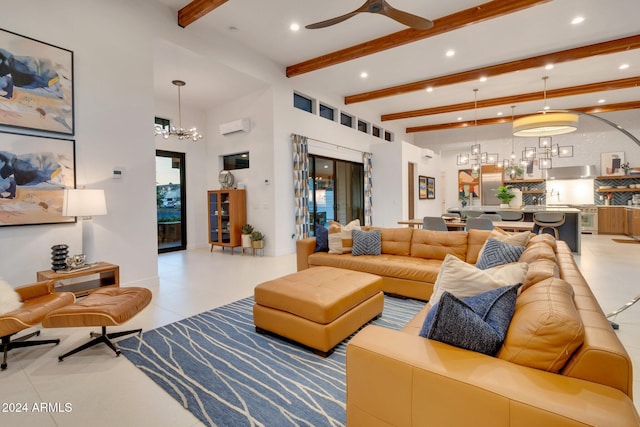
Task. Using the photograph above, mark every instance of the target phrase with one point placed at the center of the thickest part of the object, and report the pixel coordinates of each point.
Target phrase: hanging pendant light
(546, 123)
(178, 132)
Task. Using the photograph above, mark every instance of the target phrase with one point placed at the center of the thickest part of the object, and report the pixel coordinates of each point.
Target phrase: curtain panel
(368, 187)
(301, 184)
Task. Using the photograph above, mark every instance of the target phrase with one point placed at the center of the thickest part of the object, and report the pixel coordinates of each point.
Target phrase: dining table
(460, 224)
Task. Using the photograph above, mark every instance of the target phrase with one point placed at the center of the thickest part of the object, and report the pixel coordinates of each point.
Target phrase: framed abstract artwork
(34, 172)
(610, 163)
(36, 85)
(422, 187)
(431, 187)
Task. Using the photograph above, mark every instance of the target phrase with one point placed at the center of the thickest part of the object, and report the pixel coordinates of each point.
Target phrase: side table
(82, 281)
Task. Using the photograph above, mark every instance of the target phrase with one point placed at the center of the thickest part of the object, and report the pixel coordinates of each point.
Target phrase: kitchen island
(569, 231)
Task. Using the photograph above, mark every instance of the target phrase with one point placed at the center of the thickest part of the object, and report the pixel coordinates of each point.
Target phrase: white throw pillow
(465, 280)
(340, 236)
(9, 298)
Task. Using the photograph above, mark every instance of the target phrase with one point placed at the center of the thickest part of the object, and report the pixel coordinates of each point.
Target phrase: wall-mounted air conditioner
(241, 125)
(426, 152)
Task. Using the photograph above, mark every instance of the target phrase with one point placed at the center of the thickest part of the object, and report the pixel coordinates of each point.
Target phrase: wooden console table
(83, 281)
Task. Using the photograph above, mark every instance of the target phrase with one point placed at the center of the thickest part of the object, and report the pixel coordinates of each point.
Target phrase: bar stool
(551, 220)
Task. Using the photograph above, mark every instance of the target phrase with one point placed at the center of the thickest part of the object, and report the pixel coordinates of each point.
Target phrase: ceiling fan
(383, 8)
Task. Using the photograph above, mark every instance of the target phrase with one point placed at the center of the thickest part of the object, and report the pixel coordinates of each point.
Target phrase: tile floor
(104, 390)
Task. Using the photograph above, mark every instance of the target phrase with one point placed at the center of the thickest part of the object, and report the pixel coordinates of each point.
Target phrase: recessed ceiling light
(294, 27)
(483, 79)
(459, 119)
(548, 67)
(364, 75)
(601, 101)
(499, 113)
(623, 67)
(577, 20)
(450, 52)
(429, 89)
(232, 29)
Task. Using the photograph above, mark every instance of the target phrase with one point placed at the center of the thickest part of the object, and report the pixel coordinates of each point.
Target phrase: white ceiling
(264, 27)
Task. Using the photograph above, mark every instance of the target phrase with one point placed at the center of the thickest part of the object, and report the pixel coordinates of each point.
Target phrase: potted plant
(463, 199)
(257, 240)
(246, 231)
(505, 195)
(515, 172)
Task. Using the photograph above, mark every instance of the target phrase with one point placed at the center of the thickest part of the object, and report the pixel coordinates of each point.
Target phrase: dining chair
(479, 224)
(471, 213)
(434, 223)
(492, 217)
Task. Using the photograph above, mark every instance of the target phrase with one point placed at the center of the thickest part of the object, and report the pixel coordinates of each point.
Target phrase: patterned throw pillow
(498, 253)
(322, 239)
(478, 323)
(366, 242)
(340, 239)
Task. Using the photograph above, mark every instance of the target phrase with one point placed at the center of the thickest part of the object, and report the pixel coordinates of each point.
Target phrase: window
(388, 136)
(164, 123)
(363, 126)
(346, 119)
(303, 103)
(377, 132)
(327, 112)
(236, 161)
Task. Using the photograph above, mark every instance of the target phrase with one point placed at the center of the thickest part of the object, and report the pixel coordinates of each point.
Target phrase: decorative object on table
(463, 200)
(179, 132)
(246, 231)
(38, 85)
(431, 187)
(59, 254)
(257, 240)
(611, 163)
(85, 203)
(625, 167)
(76, 261)
(422, 187)
(35, 172)
(505, 195)
(225, 179)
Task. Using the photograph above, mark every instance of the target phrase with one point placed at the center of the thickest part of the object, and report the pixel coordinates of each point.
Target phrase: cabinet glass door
(225, 225)
(214, 218)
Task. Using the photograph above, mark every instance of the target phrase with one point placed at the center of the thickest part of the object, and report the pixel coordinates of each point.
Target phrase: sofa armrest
(304, 248)
(395, 378)
(35, 290)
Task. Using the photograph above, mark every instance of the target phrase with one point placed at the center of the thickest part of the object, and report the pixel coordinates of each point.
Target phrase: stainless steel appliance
(588, 219)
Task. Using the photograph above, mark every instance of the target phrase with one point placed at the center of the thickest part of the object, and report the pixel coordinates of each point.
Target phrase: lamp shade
(545, 124)
(85, 202)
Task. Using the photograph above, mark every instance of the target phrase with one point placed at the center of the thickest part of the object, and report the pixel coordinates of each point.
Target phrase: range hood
(572, 172)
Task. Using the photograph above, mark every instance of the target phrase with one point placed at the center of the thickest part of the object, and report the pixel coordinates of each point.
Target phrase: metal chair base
(103, 337)
(8, 344)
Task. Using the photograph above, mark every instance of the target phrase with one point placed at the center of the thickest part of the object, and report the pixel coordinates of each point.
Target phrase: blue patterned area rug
(226, 374)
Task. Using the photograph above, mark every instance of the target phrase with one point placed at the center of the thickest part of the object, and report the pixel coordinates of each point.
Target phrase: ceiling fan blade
(338, 19)
(408, 19)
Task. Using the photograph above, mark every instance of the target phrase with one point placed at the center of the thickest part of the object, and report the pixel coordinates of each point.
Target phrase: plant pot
(504, 205)
(246, 240)
(257, 244)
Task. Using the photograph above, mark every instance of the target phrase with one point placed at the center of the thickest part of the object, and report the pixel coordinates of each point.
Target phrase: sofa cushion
(340, 238)
(9, 299)
(465, 280)
(546, 328)
(537, 251)
(478, 323)
(517, 239)
(497, 253)
(322, 239)
(475, 241)
(543, 238)
(366, 242)
(396, 241)
(437, 244)
(540, 270)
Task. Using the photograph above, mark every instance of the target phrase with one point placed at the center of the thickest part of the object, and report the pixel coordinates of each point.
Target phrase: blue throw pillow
(366, 242)
(478, 323)
(322, 239)
(498, 253)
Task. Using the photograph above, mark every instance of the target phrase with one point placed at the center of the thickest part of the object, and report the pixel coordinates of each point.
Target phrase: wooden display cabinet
(227, 215)
(82, 281)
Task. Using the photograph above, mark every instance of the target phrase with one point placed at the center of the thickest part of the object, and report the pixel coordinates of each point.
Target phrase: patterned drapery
(368, 187)
(301, 184)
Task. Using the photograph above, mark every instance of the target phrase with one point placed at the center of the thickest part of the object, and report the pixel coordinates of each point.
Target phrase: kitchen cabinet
(635, 224)
(227, 215)
(628, 223)
(611, 219)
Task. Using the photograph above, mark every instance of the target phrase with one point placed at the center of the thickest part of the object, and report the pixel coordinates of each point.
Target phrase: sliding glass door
(336, 191)
(171, 201)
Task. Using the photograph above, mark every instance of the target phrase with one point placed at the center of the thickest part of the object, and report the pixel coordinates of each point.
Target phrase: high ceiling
(524, 40)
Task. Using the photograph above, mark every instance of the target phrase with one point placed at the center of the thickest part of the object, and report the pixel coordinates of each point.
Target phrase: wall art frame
(422, 187)
(431, 187)
(36, 85)
(34, 172)
(611, 163)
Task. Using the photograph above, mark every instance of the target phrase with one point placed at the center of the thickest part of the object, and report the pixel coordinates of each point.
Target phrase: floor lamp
(85, 203)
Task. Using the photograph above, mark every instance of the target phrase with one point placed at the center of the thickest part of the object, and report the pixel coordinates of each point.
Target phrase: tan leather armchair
(38, 300)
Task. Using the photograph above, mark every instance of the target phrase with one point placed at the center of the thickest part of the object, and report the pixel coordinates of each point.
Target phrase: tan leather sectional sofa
(561, 363)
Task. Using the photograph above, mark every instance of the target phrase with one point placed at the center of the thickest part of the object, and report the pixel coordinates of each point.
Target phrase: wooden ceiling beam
(517, 99)
(196, 10)
(483, 12)
(604, 48)
(596, 109)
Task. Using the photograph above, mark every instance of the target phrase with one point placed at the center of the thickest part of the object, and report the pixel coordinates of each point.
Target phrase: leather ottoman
(318, 307)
